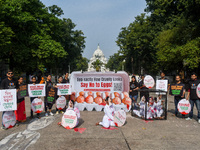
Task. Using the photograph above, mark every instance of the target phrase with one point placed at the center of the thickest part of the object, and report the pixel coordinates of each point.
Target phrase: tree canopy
(33, 37)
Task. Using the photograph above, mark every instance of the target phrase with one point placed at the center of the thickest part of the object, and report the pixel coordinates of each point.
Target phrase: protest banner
(162, 85)
(176, 90)
(64, 89)
(61, 103)
(37, 105)
(100, 82)
(149, 81)
(184, 107)
(69, 119)
(8, 100)
(37, 90)
(120, 118)
(22, 91)
(9, 119)
(51, 94)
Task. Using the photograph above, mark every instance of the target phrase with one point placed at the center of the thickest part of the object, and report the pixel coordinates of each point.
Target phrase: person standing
(66, 79)
(143, 87)
(21, 111)
(8, 83)
(60, 81)
(48, 84)
(194, 99)
(179, 92)
(34, 81)
(133, 93)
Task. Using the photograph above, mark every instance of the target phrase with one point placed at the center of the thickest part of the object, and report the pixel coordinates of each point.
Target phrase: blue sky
(100, 20)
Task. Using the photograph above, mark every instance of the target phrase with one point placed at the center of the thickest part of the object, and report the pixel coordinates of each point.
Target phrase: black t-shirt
(8, 84)
(192, 87)
(142, 86)
(133, 85)
(65, 81)
(178, 90)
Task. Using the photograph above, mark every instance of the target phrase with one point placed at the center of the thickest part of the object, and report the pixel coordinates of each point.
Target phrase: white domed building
(98, 54)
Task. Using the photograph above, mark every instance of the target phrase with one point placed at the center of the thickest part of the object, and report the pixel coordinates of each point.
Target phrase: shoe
(3, 128)
(51, 113)
(46, 114)
(198, 120)
(57, 112)
(61, 112)
(188, 118)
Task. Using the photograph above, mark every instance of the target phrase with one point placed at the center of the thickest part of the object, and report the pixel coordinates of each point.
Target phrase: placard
(61, 103)
(176, 90)
(69, 119)
(22, 91)
(64, 89)
(9, 119)
(198, 90)
(162, 85)
(149, 81)
(37, 105)
(184, 107)
(120, 118)
(8, 100)
(37, 90)
(51, 94)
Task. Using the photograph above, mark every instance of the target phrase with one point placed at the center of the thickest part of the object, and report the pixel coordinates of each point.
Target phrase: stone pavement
(174, 133)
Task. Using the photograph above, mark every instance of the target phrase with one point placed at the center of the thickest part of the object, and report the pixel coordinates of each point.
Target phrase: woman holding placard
(193, 94)
(108, 119)
(133, 93)
(60, 81)
(20, 112)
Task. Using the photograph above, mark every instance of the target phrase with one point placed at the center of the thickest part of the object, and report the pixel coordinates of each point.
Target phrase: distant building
(98, 54)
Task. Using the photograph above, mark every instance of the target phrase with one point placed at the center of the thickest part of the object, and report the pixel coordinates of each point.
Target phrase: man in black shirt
(194, 99)
(178, 92)
(143, 87)
(8, 83)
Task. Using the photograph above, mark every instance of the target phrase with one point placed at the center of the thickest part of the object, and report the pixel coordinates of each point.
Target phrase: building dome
(98, 53)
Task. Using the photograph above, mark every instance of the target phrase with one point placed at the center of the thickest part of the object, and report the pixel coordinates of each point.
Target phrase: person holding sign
(108, 119)
(8, 83)
(34, 81)
(60, 81)
(21, 112)
(48, 104)
(178, 91)
(194, 99)
(133, 93)
(143, 87)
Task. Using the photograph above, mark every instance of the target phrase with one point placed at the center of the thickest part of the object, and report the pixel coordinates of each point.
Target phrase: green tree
(97, 64)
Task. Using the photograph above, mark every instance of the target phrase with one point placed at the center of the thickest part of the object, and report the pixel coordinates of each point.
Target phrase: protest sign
(184, 107)
(64, 89)
(51, 94)
(36, 90)
(22, 91)
(8, 100)
(198, 90)
(61, 103)
(9, 119)
(37, 105)
(176, 90)
(162, 85)
(69, 119)
(149, 81)
(120, 118)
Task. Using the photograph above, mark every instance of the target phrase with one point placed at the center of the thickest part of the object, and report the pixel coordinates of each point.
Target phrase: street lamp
(123, 64)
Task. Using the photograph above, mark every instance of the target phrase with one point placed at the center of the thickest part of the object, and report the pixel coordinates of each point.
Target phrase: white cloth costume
(108, 117)
(158, 108)
(141, 112)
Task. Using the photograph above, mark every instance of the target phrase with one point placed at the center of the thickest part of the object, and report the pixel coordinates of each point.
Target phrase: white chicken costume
(158, 108)
(108, 117)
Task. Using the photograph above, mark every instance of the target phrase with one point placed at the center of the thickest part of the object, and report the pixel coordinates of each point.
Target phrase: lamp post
(123, 64)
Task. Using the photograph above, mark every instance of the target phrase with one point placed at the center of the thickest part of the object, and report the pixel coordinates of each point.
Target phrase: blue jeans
(197, 103)
(133, 100)
(176, 100)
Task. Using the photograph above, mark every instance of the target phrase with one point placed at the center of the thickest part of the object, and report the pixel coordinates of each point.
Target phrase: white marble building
(98, 54)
